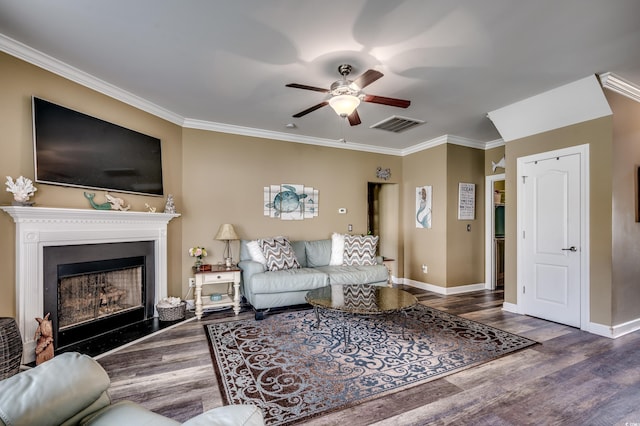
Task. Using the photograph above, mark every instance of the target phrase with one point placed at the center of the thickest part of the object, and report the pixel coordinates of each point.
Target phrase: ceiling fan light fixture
(344, 105)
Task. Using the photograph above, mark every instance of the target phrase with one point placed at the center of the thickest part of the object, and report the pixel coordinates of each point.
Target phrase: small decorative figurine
(112, 203)
(170, 207)
(149, 208)
(22, 189)
(383, 173)
(116, 203)
(44, 340)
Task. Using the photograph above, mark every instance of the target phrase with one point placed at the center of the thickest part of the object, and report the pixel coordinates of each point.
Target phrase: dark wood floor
(570, 378)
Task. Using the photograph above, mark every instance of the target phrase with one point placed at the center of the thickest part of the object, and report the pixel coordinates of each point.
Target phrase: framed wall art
(423, 206)
(466, 201)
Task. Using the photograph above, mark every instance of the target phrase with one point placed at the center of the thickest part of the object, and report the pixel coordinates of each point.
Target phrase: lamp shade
(226, 232)
(344, 105)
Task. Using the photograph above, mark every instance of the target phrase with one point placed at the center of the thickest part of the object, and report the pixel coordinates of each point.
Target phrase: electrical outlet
(350, 228)
(192, 282)
(425, 269)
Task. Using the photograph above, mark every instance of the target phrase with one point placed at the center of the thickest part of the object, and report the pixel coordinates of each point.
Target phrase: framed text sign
(466, 201)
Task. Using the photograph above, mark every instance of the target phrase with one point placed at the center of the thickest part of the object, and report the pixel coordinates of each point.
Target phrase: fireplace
(91, 289)
(38, 228)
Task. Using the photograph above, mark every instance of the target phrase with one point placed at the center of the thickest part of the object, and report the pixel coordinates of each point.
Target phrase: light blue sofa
(271, 289)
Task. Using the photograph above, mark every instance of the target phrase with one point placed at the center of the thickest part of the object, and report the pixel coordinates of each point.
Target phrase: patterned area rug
(294, 370)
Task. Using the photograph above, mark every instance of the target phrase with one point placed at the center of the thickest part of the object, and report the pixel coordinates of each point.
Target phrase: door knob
(572, 248)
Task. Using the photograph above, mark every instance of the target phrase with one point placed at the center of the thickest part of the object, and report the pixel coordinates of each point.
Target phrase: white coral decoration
(22, 189)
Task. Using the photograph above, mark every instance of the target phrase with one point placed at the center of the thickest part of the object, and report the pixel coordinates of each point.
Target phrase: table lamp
(226, 233)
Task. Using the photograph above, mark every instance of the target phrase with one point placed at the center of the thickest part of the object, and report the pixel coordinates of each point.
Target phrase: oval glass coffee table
(360, 299)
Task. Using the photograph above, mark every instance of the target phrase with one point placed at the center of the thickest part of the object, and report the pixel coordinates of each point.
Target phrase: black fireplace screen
(92, 289)
(88, 297)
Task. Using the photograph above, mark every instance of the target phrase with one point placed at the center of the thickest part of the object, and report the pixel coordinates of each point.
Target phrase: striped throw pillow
(360, 249)
(278, 253)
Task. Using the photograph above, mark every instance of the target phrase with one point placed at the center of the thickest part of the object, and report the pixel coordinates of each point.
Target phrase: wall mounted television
(75, 149)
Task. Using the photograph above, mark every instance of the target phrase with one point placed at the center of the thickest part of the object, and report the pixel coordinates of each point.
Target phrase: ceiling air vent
(397, 124)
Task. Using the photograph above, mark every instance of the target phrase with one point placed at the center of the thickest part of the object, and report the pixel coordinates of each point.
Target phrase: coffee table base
(346, 328)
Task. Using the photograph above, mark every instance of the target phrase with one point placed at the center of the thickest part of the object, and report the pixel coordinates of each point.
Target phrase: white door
(551, 239)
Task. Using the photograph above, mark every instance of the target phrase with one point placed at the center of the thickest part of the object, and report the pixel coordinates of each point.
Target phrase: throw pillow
(278, 253)
(337, 249)
(360, 249)
(255, 252)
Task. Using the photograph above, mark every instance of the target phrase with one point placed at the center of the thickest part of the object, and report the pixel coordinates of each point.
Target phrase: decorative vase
(10, 348)
(198, 264)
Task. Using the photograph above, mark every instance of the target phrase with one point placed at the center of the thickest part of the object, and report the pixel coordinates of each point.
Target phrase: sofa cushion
(318, 253)
(337, 249)
(278, 253)
(255, 252)
(355, 274)
(299, 248)
(288, 280)
(360, 249)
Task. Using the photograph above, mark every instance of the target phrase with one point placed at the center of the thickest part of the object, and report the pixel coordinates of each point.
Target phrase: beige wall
(18, 82)
(626, 229)
(218, 178)
(465, 249)
(426, 246)
(598, 134)
(224, 177)
(453, 256)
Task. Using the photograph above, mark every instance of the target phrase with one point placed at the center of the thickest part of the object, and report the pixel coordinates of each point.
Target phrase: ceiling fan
(345, 95)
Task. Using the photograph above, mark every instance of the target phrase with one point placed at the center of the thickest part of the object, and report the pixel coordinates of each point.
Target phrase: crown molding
(454, 140)
(46, 62)
(55, 66)
(425, 145)
(617, 84)
(494, 144)
(280, 136)
(469, 143)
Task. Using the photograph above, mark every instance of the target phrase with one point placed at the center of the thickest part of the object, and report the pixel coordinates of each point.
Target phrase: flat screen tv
(74, 149)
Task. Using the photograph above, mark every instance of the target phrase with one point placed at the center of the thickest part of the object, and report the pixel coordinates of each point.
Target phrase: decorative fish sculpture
(104, 206)
(500, 164)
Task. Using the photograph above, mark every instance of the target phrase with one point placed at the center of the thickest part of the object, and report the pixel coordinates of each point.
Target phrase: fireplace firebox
(91, 289)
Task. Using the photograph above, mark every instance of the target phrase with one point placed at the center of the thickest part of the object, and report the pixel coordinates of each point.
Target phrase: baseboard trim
(442, 290)
(510, 307)
(612, 332)
(615, 331)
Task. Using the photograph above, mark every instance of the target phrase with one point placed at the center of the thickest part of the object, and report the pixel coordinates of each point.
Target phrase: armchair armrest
(54, 391)
(229, 415)
(250, 268)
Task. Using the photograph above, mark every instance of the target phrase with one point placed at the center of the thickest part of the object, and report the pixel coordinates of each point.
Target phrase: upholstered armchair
(71, 389)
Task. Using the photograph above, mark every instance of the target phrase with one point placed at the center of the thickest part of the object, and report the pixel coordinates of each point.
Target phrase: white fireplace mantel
(37, 227)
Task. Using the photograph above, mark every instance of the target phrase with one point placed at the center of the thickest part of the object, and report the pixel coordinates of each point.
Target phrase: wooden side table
(218, 275)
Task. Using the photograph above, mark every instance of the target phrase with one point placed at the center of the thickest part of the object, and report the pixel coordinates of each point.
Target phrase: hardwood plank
(570, 377)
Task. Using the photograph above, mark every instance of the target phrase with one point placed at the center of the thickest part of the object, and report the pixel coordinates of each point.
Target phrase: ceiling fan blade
(305, 87)
(308, 110)
(400, 103)
(367, 78)
(354, 118)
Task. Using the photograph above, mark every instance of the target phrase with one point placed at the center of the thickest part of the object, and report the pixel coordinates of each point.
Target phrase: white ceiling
(224, 64)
